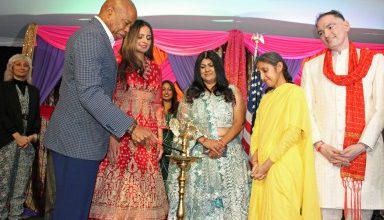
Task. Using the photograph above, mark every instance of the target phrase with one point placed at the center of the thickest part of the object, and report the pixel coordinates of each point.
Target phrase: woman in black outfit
(19, 129)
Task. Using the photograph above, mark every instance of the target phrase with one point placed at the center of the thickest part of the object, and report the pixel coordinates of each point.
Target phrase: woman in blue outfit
(218, 185)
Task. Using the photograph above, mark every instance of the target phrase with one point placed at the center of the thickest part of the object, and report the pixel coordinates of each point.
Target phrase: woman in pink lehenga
(129, 183)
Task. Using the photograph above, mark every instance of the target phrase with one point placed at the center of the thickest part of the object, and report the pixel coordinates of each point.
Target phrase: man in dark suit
(85, 117)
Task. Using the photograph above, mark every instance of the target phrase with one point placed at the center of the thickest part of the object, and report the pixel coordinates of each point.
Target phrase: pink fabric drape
(234, 61)
(296, 47)
(177, 42)
(57, 36)
(188, 42)
(287, 47)
(192, 42)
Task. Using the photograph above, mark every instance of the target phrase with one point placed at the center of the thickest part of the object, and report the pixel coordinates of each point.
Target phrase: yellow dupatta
(279, 110)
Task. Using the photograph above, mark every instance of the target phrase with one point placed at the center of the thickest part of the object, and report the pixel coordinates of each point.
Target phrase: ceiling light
(374, 34)
(83, 19)
(224, 20)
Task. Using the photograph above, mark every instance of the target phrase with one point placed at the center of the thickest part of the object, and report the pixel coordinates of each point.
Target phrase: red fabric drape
(234, 61)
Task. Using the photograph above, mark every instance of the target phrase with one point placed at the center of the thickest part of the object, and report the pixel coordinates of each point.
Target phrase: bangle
(132, 127)
(318, 146)
(37, 137)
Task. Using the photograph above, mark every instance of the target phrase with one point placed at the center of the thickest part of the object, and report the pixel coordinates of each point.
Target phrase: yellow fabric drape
(289, 191)
(179, 92)
(159, 56)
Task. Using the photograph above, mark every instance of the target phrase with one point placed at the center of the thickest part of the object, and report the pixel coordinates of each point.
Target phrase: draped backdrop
(176, 52)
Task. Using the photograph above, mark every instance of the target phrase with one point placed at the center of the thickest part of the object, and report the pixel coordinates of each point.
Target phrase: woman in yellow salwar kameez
(284, 184)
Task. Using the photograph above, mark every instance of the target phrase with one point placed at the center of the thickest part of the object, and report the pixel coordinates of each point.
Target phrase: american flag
(253, 100)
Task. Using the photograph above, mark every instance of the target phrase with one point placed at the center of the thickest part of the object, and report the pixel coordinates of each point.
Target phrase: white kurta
(326, 102)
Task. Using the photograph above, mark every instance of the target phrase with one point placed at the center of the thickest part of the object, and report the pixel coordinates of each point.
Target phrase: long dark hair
(174, 102)
(198, 86)
(274, 58)
(130, 62)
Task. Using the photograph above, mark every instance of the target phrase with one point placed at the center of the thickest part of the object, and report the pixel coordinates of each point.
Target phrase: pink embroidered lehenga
(132, 187)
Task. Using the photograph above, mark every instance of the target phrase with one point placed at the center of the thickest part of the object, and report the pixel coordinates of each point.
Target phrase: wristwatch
(132, 127)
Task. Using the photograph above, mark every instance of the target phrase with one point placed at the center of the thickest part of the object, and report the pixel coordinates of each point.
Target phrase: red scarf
(352, 175)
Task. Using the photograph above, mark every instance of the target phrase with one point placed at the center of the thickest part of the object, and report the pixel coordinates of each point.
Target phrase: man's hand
(140, 135)
(352, 151)
(333, 155)
(160, 150)
(113, 150)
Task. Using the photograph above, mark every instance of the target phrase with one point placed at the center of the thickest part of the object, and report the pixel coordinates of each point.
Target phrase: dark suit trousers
(75, 182)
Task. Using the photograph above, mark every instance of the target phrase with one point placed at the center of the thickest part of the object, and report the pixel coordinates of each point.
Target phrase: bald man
(85, 116)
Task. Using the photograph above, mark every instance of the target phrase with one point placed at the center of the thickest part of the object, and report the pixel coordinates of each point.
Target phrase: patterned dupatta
(24, 104)
(353, 175)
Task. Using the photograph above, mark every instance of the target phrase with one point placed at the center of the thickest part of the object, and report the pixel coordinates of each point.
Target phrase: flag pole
(254, 96)
(256, 38)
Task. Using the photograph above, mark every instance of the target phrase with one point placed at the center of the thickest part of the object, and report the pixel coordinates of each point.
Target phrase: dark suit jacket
(85, 116)
(10, 112)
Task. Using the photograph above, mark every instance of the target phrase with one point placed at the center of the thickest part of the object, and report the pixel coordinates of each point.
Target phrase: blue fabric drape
(294, 66)
(48, 63)
(183, 67)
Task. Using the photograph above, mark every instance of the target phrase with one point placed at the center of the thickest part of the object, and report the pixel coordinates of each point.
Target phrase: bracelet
(132, 127)
(37, 137)
(318, 146)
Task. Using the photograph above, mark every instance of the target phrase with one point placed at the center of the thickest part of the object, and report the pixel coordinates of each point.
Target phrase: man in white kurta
(327, 104)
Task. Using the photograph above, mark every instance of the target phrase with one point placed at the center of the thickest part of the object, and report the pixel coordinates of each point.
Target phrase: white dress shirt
(109, 33)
